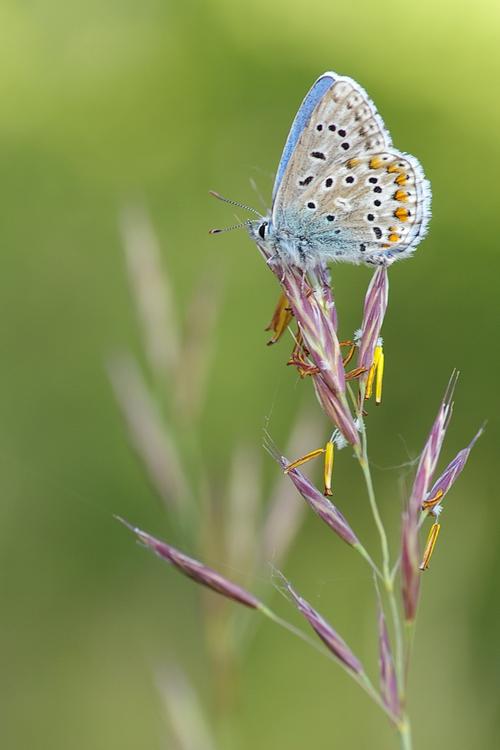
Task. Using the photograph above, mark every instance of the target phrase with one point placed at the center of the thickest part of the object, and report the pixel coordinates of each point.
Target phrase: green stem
(291, 628)
(401, 655)
(405, 734)
(364, 554)
(365, 468)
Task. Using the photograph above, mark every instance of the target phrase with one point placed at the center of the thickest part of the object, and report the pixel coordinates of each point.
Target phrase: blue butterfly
(342, 191)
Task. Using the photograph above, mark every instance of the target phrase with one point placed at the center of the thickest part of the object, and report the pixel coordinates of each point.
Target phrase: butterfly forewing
(344, 187)
(344, 122)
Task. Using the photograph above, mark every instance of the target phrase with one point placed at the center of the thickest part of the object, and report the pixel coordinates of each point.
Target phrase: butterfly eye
(262, 230)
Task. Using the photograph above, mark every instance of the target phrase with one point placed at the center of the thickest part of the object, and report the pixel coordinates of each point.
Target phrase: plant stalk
(404, 729)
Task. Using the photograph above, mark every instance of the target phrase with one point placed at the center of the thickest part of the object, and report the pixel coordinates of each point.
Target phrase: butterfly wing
(341, 186)
(314, 96)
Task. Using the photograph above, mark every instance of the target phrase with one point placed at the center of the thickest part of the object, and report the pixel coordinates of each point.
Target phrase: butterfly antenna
(228, 229)
(234, 203)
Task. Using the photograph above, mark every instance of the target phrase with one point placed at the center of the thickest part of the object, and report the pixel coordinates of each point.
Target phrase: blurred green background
(109, 104)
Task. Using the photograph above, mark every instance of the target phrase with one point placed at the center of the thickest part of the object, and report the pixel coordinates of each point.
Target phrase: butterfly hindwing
(377, 200)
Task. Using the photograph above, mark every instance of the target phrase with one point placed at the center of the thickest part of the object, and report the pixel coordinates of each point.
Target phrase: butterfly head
(260, 229)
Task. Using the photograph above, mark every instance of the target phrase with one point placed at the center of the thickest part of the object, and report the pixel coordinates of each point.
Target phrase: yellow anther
(429, 547)
(380, 376)
(280, 320)
(432, 501)
(373, 371)
(328, 468)
(304, 459)
(369, 382)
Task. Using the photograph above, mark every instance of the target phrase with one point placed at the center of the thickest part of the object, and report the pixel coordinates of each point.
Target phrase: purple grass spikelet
(410, 555)
(318, 351)
(332, 640)
(432, 448)
(322, 506)
(316, 325)
(448, 477)
(388, 679)
(194, 569)
(410, 578)
(375, 307)
(336, 410)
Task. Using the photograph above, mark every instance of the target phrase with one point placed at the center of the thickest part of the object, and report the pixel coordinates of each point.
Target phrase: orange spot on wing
(352, 163)
(400, 195)
(393, 168)
(375, 163)
(401, 179)
(394, 237)
(402, 213)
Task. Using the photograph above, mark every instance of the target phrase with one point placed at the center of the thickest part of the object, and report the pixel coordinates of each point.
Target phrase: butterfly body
(342, 191)
(302, 245)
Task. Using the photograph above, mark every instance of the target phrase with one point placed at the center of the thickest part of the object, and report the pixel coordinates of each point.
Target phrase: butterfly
(342, 191)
